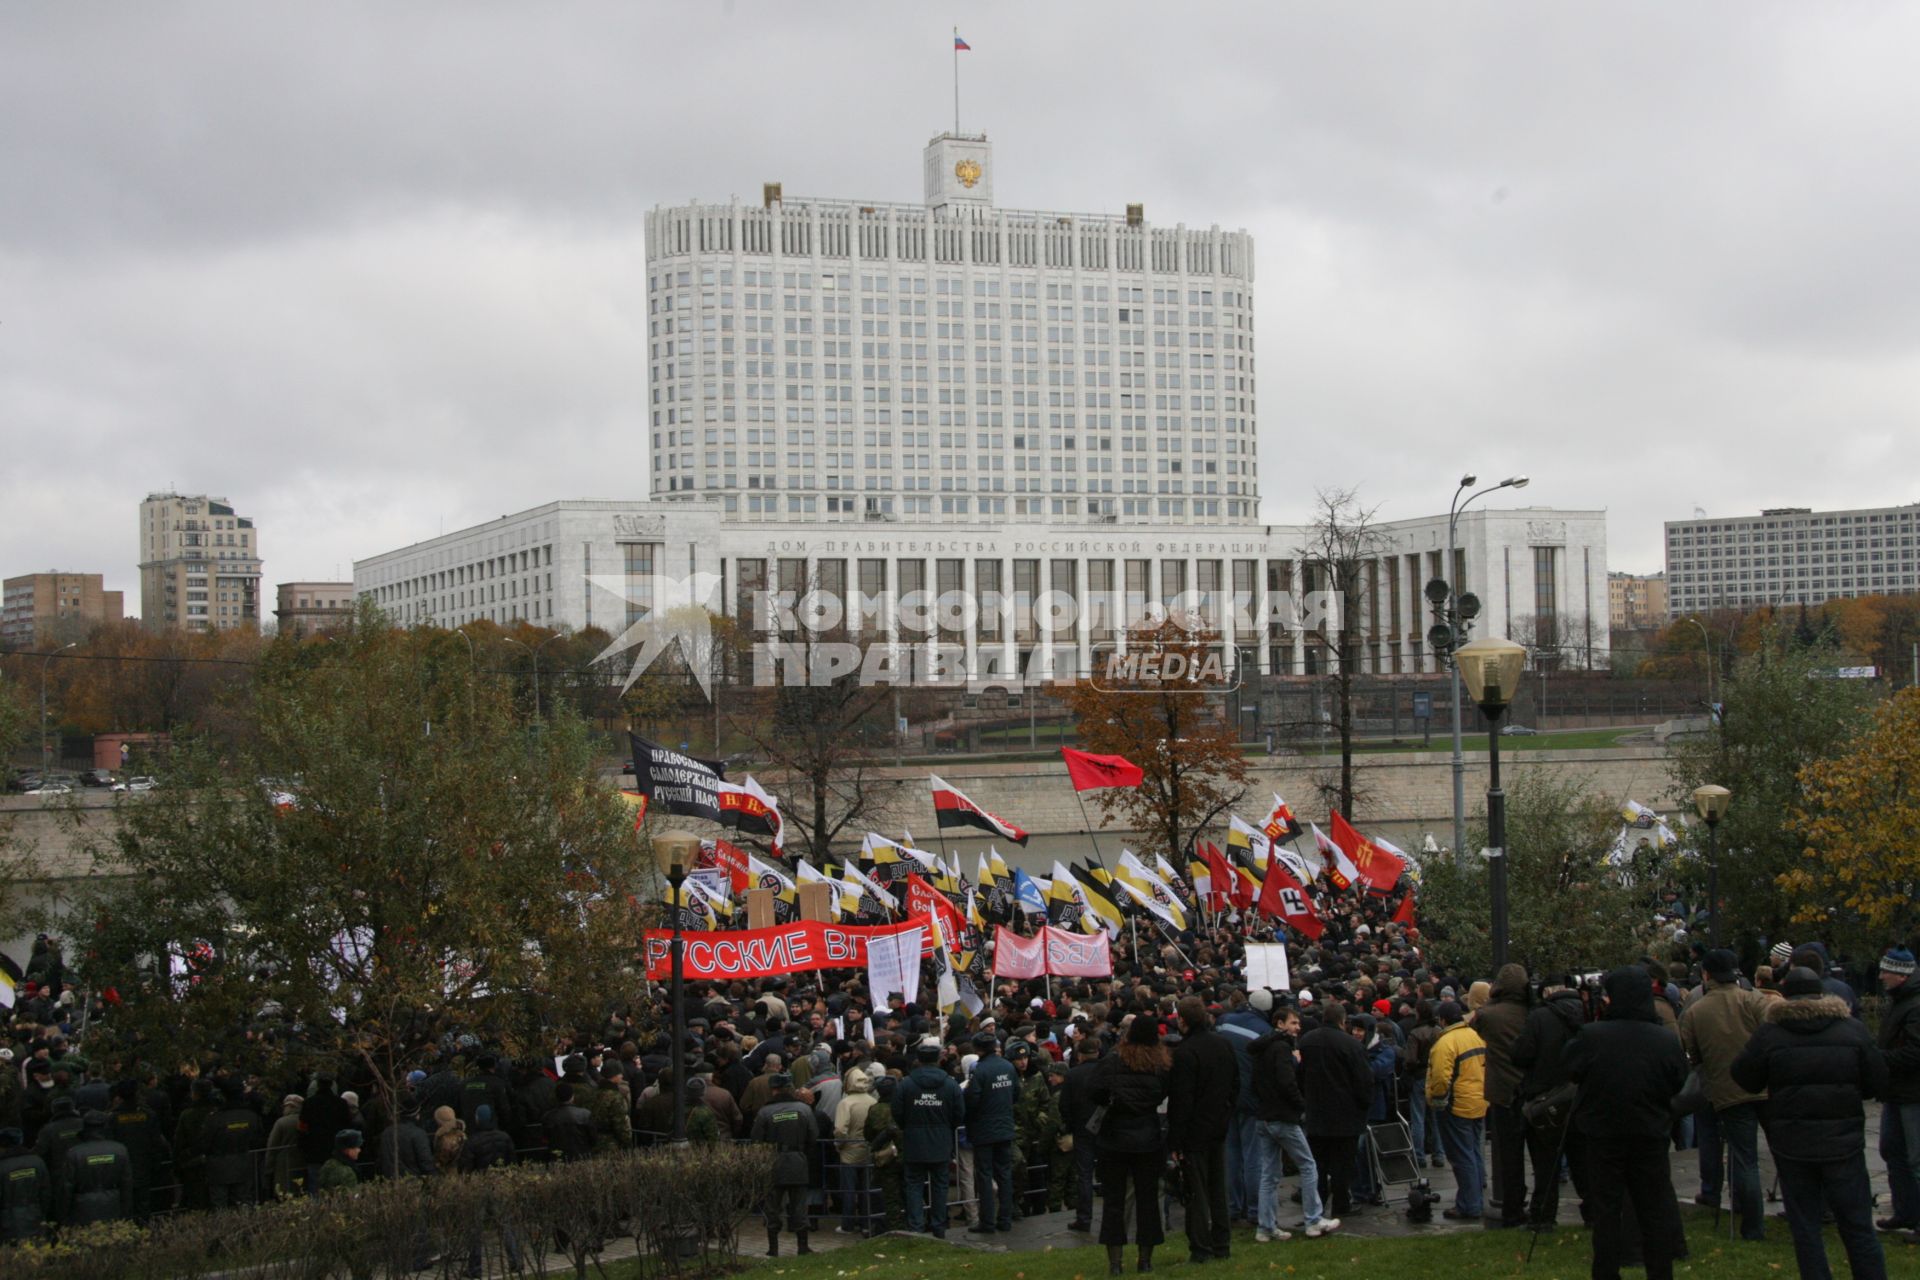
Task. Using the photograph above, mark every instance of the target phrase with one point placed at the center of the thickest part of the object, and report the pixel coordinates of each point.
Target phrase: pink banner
(1078, 955)
(1018, 957)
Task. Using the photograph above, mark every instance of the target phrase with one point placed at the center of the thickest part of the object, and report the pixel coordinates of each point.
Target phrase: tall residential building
(1790, 555)
(307, 608)
(1636, 602)
(848, 360)
(199, 564)
(42, 606)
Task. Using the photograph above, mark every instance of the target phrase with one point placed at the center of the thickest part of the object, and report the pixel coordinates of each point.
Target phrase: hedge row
(682, 1208)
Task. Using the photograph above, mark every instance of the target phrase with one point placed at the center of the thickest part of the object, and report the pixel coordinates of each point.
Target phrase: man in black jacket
(1629, 1068)
(1338, 1085)
(1818, 1067)
(403, 1148)
(26, 1190)
(569, 1126)
(1076, 1108)
(136, 1127)
(1203, 1092)
(95, 1182)
(1541, 1055)
(1900, 1116)
(233, 1136)
(1280, 1106)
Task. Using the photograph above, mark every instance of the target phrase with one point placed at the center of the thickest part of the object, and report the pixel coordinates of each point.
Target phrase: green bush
(682, 1208)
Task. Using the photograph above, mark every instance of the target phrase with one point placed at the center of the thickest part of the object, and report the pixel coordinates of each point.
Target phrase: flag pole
(1081, 800)
(956, 82)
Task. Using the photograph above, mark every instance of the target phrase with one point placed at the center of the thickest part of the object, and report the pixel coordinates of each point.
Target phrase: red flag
(719, 853)
(1220, 877)
(924, 899)
(1089, 771)
(1283, 895)
(1377, 867)
(1244, 889)
(1403, 914)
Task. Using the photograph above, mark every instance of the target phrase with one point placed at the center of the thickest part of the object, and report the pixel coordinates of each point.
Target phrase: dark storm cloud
(369, 268)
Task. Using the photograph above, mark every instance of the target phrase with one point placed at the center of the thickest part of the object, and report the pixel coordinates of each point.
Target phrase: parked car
(97, 778)
(23, 781)
(51, 788)
(139, 783)
(1518, 731)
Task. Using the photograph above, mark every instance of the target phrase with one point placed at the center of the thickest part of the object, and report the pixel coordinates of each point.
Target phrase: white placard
(1267, 966)
(893, 964)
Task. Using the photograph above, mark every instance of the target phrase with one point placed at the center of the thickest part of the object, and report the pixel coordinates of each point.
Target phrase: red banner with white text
(789, 948)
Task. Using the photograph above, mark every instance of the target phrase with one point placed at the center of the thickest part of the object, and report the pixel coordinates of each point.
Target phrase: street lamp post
(46, 660)
(534, 649)
(1706, 660)
(676, 849)
(1458, 619)
(470, 666)
(1491, 669)
(1710, 802)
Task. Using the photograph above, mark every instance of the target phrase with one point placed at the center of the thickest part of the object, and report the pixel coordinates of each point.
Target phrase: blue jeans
(1275, 1138)
(1739, 1130)
(1462, 1140)
(858, 1198)
(1900, 1148)
(1422, 1125)
(926, 1198)
(1243, 1163)
(1811, 1187)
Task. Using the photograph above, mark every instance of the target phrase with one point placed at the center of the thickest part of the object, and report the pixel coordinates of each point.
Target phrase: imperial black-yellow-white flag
(953, 809)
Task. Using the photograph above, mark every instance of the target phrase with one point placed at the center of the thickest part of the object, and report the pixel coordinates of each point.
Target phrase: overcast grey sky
(374, 269)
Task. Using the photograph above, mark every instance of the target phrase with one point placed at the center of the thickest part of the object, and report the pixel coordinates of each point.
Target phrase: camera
(1421, 1197)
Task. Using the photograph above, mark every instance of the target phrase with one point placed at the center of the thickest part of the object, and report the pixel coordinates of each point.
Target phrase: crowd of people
(1170, 1082)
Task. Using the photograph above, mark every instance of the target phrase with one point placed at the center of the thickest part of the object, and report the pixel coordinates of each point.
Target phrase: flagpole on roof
(956, 81)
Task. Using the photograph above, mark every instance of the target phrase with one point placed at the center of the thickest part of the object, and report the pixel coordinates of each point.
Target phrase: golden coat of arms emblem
(968, 171)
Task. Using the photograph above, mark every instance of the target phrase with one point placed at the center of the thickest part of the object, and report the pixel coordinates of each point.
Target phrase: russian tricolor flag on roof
(958, 43)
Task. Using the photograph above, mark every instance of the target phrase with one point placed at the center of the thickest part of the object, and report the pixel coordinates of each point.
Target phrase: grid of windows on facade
(1790, 557)
(508, 587)
(1096, 594)
(882, 394)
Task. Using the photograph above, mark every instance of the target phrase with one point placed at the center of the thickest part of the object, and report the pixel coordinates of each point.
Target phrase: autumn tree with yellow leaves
(1861, 822)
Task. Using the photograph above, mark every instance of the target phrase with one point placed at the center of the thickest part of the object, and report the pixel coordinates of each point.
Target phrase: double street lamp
(1457, 611)
(676, 850)
(1710, 802)
(1491, 670)
(46, 660)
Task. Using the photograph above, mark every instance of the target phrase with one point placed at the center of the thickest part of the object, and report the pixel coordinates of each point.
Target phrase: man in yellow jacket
(1457, 1096)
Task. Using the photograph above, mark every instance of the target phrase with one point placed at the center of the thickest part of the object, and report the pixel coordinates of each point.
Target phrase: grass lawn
(1564, 1255)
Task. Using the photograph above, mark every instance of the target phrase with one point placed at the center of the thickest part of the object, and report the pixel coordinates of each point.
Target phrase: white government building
(952, 397)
